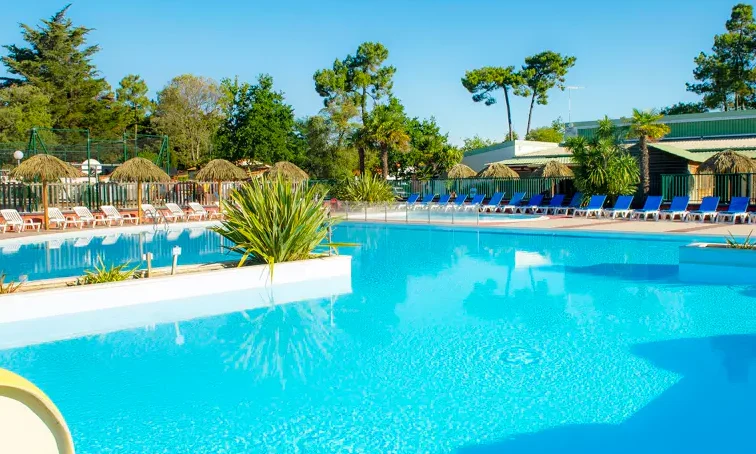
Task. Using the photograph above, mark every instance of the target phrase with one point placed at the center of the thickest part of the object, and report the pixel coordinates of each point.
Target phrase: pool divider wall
(34, 317)
(713, 263)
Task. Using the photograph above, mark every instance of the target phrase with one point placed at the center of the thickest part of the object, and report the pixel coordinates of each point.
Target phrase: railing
(698, 186)
(28, 197)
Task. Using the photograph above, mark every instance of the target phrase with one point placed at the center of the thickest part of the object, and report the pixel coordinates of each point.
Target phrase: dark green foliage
(484, 81)
(258, 125)
(323, 156)
(541, 73)
(102, 273)
(365, 188)
(684, 108)
(603, 165)
(430, 155)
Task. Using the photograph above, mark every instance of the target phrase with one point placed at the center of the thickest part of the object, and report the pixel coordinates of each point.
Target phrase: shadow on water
(710, 409)
(627, 271)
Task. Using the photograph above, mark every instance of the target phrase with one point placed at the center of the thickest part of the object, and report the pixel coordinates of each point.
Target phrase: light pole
(569, 89)
(18, 155)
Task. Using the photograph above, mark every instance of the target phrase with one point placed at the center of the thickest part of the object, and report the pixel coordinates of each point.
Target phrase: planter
(48, 315)
(715, 263)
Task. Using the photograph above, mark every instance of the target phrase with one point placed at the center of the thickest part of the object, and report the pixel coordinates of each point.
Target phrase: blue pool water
(67, 257)
(451, 342)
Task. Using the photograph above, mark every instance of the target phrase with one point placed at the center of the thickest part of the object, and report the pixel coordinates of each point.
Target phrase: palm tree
(139, 170)
(47, 169)
(645, 125)
(386, 131)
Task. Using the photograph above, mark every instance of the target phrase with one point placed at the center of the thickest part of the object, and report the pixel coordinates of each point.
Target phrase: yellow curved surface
(21, 390)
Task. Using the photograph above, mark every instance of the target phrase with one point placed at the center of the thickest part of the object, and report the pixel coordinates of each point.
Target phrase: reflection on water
(283, 341)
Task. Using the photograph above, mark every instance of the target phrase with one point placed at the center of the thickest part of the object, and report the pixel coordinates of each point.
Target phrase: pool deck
(555, 223)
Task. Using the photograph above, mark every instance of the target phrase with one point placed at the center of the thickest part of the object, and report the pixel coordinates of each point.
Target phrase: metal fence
(28, 197)
(698, 186)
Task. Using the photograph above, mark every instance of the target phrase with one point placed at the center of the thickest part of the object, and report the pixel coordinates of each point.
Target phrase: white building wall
(506, 150)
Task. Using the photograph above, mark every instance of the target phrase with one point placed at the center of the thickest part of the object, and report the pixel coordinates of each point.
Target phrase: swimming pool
(452, 341)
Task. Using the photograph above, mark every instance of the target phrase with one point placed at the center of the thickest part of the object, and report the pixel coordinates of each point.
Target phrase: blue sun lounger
(425, 203)
(411, 200)
(575, 203)
(556, 202)
(514, 202)
(708, 208)
(621, 207)
(443, 201)
(474, 203)
(738, 209)
(595, 205)
(650, 208)
(493, 204)
(678, 207)
(457, 203)
(533, 204)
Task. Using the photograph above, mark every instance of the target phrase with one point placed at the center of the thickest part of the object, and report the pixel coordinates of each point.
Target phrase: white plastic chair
(14, 221)
(87, 218)
(115, 217)
(56, 217)
(202, 212)
(152, 213)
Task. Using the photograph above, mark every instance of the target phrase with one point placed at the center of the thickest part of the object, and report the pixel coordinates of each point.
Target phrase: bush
(103, 273)
(10, 287)
(272, 220)
(365, 188)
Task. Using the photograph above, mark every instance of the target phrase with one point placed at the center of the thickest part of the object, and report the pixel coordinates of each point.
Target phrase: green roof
(533, 161)
(699, 155)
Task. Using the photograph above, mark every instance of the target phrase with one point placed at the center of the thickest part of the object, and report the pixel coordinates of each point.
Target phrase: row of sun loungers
(678, 209)
(110, 216)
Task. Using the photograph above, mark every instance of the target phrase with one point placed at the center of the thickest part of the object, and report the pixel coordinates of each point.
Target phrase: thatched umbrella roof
(460, 171)
(498, 170)
(288, 171)
(728, 162)
(46, 168)
(139, 170)
(221, 170)
(553, 169)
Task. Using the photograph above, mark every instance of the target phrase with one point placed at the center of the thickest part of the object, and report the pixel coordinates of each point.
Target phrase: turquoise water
(452, 341)
(68, 257)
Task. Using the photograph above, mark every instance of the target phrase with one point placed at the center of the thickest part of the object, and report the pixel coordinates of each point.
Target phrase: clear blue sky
(629, 54)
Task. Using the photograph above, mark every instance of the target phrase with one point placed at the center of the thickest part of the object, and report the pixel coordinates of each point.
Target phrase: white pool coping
(48, 315)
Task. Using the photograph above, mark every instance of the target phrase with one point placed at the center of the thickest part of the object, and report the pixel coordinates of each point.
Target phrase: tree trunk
(645, 170)
(509, 112)
(45, 217)
(384, 159)
(361, 153)
(530, 113)
(139, 201)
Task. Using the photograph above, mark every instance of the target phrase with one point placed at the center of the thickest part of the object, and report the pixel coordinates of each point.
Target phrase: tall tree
(257, 124)
(430, 155)
(189, 111)
(362, 80)
(59, 63)
(22, 107)
(645, 125)
(385, 131)
(542, 72)
(484, 81)
(727, 77)
(131, 95)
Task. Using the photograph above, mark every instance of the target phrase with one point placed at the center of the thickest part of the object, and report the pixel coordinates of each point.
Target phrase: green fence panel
(698, 186)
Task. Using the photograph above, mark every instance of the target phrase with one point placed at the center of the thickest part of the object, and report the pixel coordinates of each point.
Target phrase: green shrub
(734, 243)
(272, 220)
(102, 273)
(365, 188)
(10, 287)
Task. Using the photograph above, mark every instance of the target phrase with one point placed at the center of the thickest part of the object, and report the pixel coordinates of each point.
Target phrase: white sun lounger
(204, 214)
(56, 217)
(87, 218)
(177, 211)
(14, 220)
(152, 213)
(115, 217)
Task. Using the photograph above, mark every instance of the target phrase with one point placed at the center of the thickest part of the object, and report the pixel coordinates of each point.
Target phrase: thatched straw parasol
(460, 171)
(497, 170)
(728, 162)
(139, 170)
(288, 171)
(47, 169)
(220, 170)
(553, 169)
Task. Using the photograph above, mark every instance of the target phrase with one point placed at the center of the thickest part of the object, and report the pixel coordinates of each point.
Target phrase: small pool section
(69, 257)
(453, 341)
